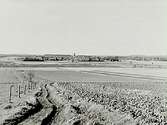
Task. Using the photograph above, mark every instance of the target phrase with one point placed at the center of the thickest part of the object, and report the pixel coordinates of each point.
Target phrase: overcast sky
(103, 27)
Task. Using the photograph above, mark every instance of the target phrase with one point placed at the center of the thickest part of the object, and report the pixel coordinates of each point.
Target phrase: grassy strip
(23, 114)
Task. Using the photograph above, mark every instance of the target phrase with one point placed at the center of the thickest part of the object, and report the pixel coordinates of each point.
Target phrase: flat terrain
(120, 93)
(137, 76)
(12, 61)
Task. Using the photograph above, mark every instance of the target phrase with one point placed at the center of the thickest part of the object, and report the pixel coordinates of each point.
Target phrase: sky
(95, 27)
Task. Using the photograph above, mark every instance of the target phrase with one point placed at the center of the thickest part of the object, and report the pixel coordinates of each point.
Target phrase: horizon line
(1, 54)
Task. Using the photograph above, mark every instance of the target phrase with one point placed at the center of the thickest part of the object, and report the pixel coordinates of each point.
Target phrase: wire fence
(16, 90)
(10, 91)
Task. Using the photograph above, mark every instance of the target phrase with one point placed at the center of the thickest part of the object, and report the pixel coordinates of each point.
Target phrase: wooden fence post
(29, 85)
(35, 85)
(10, 93)
(25, 87)
(19, 91)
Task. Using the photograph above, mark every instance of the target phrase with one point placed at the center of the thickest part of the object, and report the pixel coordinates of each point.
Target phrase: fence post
(35, 85)
(19, 91)
(29, 85)
(10, 93)
(25, 87)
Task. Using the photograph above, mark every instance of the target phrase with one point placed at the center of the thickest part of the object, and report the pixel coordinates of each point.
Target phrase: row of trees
(87, 58)
(79, 58)
(97, 58)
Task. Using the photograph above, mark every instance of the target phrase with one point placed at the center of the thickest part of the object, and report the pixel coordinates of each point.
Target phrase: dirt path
(45, 116)
(61, 107)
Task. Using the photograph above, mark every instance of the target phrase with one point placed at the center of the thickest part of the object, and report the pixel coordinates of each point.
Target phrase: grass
(138, 95)
(143, 106)
(15, 76)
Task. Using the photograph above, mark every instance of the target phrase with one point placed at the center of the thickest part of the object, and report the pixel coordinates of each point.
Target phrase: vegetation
(126, 102)
(144, 108)
(89, 58)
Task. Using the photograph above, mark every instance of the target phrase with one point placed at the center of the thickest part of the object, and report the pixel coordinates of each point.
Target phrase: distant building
(74, 58)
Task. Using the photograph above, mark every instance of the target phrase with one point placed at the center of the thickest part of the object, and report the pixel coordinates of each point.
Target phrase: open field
(138, 71)
(83, 62)
(121, 95)
(150, 78)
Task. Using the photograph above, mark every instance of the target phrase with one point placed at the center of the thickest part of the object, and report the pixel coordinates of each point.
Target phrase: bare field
(126, 79)
(134, 78)
(86, 96)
